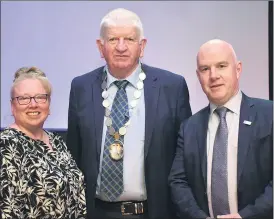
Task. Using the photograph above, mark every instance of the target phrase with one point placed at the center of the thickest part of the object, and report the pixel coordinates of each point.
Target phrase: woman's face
(30, 113)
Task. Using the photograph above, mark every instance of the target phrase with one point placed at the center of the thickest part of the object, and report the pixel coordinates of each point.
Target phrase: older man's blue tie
(112, 171)
(219, 183)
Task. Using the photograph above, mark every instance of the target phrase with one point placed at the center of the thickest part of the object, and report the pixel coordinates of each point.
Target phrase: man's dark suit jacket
(166, 106)
(188, 177)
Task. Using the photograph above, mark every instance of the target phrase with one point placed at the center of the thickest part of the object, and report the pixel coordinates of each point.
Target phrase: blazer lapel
(247, 113)
(98, 111)
(151, 93)
(202, 142)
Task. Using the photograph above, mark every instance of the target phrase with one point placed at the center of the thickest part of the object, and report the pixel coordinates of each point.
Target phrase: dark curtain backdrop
(270, 47)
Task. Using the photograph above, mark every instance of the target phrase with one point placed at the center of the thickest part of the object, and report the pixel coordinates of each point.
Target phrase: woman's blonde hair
(31, 73)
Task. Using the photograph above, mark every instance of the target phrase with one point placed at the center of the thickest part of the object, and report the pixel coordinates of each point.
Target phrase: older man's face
(218, 72)
(122, 48)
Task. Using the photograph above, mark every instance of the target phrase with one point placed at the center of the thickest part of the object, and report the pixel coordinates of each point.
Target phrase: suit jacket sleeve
(183, 105)
(181, 193)
(263, 205)
(73, 135)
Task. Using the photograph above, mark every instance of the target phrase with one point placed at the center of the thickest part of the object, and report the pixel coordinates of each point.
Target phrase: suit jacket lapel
(247, 113)
(98, 111)
(151, 93)
(202, 142)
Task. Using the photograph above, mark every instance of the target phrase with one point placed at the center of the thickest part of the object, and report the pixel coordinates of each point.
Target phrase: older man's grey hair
(121, 17)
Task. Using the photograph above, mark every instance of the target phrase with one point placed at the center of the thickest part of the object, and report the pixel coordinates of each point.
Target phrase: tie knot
(121, 84)
(221, 112)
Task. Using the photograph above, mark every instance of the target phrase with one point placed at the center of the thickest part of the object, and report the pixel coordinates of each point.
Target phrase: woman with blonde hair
(38, 176)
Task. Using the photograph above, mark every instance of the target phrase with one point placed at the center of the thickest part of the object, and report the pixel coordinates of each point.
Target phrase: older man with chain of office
(122, 125)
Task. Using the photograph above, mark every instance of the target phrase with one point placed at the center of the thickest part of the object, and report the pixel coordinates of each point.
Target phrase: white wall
(59, 38)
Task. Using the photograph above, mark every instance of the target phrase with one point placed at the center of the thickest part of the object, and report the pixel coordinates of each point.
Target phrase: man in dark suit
(123, 122)
(223, 162)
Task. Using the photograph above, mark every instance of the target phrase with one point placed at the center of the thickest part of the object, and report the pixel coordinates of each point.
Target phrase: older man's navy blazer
(188, 177)
(166, 106)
